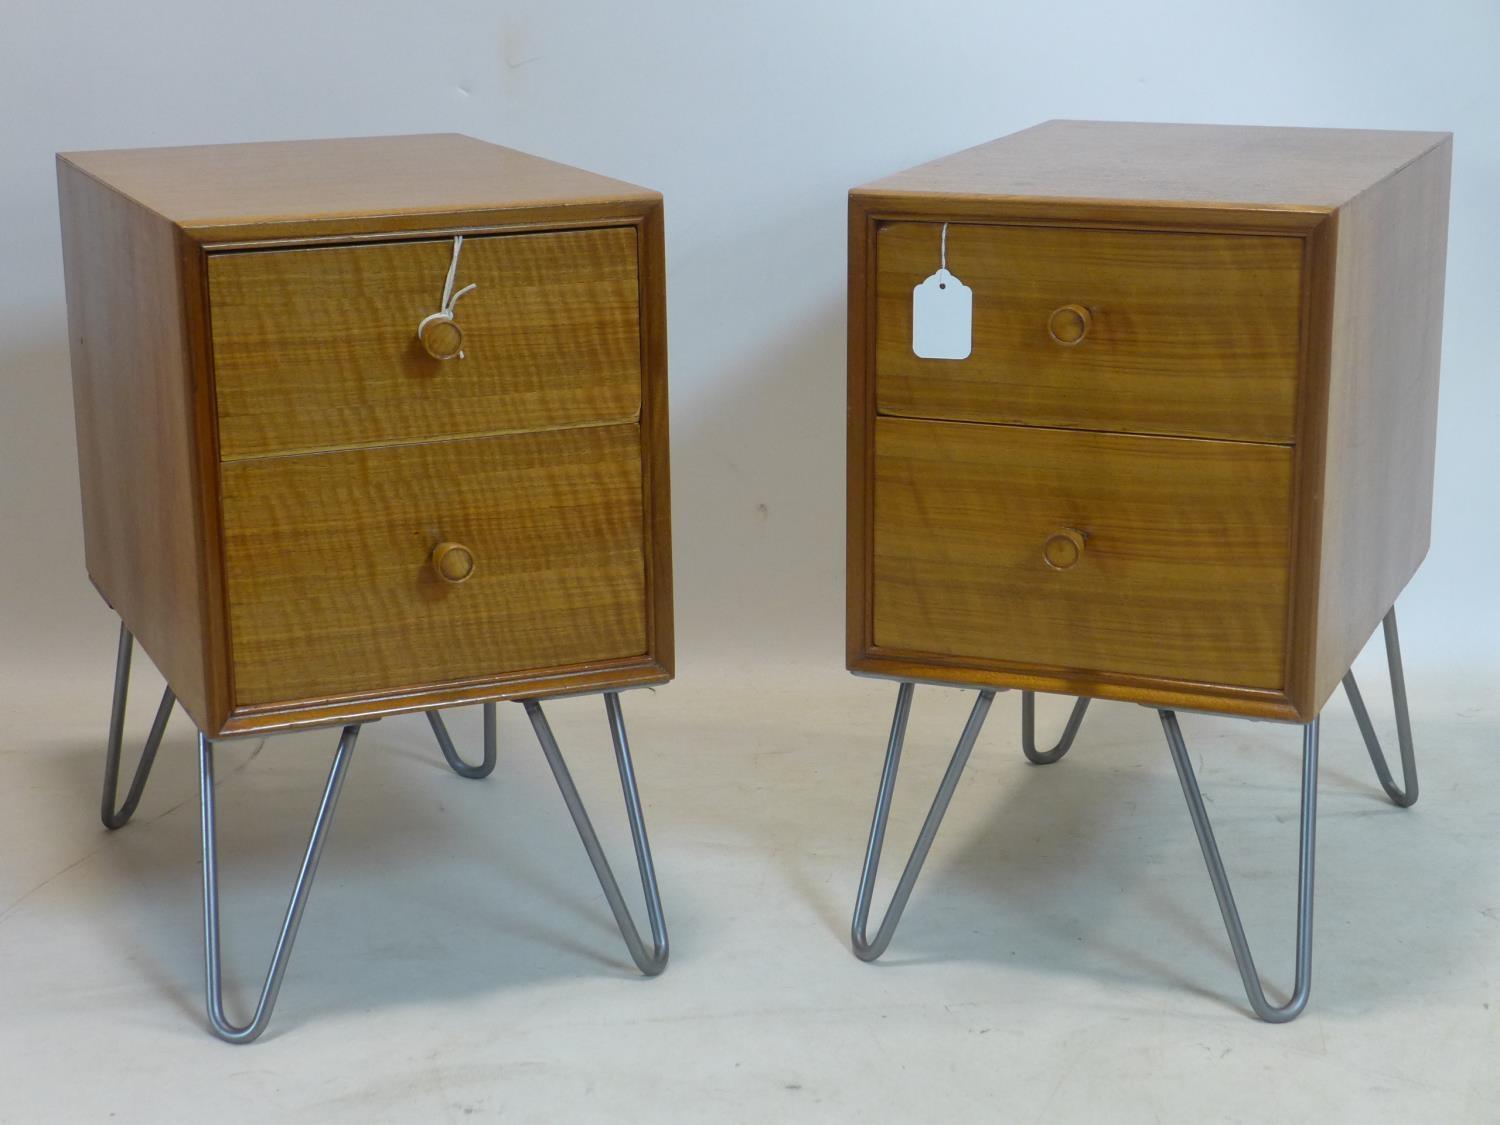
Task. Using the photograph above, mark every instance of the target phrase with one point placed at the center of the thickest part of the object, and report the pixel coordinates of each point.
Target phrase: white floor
(1062, 958)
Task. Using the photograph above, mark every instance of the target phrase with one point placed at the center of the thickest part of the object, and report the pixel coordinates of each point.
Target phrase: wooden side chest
(370, 426)
(1147, 413)
(306, 510)
(1188, 459)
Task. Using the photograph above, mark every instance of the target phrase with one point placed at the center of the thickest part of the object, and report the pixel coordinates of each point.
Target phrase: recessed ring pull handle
(453, 562)
(1063, 548)
(440, 336)
(1069, 324)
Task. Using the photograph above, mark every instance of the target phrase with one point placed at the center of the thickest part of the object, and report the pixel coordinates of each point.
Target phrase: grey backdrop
(754, 122)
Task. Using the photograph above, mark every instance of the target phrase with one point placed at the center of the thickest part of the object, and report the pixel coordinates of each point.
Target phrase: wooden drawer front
(318, 348)
(1189, 333)
(331, 588)
(1183, 572)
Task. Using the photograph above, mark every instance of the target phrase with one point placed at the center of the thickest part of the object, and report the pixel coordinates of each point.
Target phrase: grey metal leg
(864, 948)
(1407, 797)
(653, 962)
(1305, 855)
(247, 1033)
(450, 753)
(1028, 730)
(112, 817)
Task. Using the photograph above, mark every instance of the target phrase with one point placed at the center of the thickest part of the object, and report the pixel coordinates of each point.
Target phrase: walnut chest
(372, 425)
(1187, 458)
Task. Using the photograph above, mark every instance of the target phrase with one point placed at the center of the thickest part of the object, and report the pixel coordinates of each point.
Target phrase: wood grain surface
(138, 446)
(1188, 333)
(317, 348)
(1214, 167)
(140, 231)
(310, 183)
(331, 590)
(656, 443)
(1338, 459)
(1379, 432)
(1184, 575)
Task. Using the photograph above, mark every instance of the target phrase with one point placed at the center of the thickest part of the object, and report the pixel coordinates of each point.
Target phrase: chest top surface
(1225, 165)
(213, 186)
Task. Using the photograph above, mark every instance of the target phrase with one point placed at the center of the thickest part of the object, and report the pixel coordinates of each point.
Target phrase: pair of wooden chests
(1136, 412)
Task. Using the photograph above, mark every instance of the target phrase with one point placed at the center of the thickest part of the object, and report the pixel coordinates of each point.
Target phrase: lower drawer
(1169, 557)
(331, 584)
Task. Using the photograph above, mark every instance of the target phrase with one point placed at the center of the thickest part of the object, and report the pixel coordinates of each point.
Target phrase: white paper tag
(942, 318)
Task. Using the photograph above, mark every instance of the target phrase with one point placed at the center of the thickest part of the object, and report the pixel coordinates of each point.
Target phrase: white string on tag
(450, 298)
(943, 253)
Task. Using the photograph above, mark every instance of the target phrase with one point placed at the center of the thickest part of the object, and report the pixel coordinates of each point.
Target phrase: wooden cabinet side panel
(1382, 406)
(656, 438)
(859, 421)
(134, 412)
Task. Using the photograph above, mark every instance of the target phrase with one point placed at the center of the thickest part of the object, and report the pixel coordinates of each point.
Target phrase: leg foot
(450, 752)
(864, 948)
(218, 1021)
(1406, 797)
(1305, 855)
(112, 817)
(1028, 731)
(649, 962)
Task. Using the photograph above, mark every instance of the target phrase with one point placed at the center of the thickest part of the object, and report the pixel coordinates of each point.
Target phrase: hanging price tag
(942, 314)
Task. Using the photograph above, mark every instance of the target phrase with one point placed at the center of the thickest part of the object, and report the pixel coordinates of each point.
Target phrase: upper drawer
(318, 348)
(1192, 334)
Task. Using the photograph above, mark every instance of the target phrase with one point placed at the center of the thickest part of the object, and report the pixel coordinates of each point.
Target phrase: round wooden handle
(453, 562)
(1069, 325)
(441, 338)
(1063, 548)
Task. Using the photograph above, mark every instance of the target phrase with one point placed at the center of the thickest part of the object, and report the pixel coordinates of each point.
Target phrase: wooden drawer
(1183, 572)
(317, 348)
(331, 587)
(1188, 333)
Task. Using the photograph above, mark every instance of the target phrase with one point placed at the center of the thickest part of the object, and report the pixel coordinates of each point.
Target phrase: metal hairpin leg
(1408, 797)
(864, 948)
(1305, 855)
(1028, 730)
(112, 817)
(655, 961)
(450, 753)
(216, 1017)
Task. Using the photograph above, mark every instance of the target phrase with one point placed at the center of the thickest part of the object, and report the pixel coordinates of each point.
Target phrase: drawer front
(318, 348)
(1192, 334)
(332, 587)
(1175, 551)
